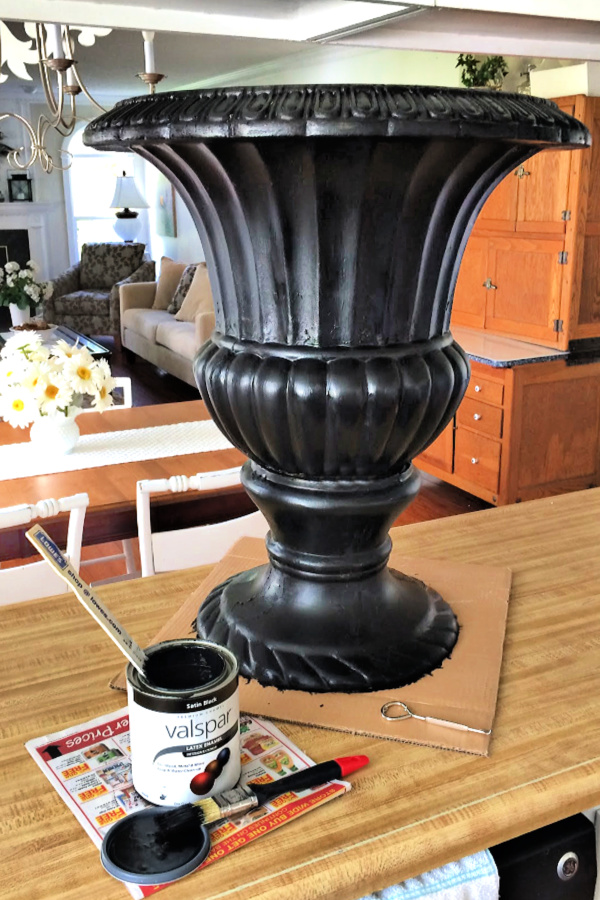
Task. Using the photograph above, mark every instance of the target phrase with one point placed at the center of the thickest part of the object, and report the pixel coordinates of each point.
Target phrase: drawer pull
(474, 460)
(477, 388)
(489, 285)
(477, 416)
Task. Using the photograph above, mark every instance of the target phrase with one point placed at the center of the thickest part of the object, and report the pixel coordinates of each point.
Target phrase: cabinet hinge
(563, 257)
(557, 325)
(566, 215)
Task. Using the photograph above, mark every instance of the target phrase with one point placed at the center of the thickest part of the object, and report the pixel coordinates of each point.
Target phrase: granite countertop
(502, 352)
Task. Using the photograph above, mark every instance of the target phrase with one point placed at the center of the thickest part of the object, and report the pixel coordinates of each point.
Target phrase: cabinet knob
(477, 416)
(489, 285)
(474, 460)
(477, 388)
(522, 172)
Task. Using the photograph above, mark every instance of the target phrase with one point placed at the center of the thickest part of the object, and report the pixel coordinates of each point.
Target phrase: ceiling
(110, 66)
(216, 41)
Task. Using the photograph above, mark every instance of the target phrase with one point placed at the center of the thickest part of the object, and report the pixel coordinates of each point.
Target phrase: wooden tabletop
(111, 513)
(413, 808)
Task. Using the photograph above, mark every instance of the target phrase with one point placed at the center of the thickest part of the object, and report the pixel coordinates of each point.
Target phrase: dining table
(414, 807)
(111, 514)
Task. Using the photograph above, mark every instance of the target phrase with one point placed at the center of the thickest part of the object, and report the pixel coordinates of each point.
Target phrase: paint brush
(44, 544)
(242, 799)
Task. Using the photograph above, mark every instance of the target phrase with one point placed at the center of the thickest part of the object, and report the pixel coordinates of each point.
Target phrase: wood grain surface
(413, 808)
(111, 513)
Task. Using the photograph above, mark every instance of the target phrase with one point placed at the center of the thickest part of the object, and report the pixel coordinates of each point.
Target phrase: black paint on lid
(132, 852)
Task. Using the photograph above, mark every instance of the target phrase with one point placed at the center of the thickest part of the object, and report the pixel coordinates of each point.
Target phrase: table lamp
(127, 200)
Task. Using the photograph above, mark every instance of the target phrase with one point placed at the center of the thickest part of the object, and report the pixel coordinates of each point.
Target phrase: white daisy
(102, 399)
(22, 343)
(64, 350)
(53, 393)
(17, 406)
(78, 371)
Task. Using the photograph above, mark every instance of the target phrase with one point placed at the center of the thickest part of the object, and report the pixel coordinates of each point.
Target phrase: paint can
(184, 722)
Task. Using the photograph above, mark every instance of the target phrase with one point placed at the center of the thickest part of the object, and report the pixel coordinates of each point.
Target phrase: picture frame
(166, 212)
(20, 188)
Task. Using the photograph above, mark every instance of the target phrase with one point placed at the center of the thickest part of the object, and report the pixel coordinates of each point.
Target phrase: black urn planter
(333, 220)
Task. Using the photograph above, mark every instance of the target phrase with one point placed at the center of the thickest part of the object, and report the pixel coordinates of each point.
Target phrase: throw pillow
(170, 274)
(181, 289)
(198, 298)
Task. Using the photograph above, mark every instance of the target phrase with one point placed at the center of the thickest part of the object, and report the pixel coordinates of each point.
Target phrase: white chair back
(34, 580)
(166, 551)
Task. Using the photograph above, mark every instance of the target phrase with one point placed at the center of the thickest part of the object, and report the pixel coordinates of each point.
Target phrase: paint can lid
(132, 851)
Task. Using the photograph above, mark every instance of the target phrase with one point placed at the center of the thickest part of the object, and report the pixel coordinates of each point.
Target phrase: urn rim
(334, 110)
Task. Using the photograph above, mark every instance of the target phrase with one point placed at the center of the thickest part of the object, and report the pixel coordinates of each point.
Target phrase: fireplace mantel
(36, 219)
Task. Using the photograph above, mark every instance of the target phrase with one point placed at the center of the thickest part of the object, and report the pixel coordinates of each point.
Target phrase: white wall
(47, 189)
(328, 64)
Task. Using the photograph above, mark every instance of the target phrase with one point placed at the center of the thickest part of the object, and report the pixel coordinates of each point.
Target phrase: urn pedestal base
(323, 615)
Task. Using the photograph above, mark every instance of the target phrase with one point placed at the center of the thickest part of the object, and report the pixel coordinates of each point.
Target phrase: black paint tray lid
(132, 852)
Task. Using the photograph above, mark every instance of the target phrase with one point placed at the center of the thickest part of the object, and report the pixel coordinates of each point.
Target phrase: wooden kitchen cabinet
(531, 268)
(523, 432)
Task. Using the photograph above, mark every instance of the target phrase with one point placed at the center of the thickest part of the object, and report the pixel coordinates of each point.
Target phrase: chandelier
(62, 82)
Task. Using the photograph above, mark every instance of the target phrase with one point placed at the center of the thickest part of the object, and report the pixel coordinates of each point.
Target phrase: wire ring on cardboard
(407, 714)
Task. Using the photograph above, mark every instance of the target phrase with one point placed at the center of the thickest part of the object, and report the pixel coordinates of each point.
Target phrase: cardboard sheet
(463, 690)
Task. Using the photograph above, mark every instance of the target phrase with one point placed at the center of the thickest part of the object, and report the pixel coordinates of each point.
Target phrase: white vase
(56, 434)
(18, 316)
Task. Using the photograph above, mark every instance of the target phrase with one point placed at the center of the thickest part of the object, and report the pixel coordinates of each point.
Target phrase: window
(89, 187)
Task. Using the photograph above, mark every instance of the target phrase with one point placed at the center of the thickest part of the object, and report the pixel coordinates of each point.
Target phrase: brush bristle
(202, 812)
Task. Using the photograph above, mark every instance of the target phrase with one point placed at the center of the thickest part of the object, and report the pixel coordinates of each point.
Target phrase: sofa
(166, 322)
(86, 296)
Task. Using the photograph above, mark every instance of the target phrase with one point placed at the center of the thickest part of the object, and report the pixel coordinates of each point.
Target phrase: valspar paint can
(184, 722)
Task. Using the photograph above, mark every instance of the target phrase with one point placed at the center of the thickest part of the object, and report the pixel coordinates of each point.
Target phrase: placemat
(463, 690)
(24, 459)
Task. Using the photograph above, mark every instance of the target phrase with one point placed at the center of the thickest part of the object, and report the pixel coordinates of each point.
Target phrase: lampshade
(127, 195)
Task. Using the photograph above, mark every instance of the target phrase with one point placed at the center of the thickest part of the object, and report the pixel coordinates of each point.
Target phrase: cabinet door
(524, 295)
(499, 212)
(468, 306)
(543, 192)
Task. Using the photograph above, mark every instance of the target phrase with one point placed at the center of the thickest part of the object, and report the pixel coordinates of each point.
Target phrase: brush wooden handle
(308, 778)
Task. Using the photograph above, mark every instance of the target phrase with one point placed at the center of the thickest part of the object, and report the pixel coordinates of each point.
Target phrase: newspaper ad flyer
(89, 766)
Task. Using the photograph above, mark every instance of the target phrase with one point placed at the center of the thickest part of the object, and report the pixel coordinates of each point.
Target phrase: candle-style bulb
(149, 62)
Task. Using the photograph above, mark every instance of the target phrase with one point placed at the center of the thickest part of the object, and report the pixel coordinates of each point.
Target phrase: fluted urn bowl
(333, 219)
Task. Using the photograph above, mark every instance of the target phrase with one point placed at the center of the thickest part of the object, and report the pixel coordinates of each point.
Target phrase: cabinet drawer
(477, 459)
(480, 417)
(486, 390)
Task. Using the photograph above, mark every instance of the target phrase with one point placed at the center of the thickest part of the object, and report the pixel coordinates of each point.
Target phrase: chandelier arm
(85, 90)
(40, 41)
(14, 157)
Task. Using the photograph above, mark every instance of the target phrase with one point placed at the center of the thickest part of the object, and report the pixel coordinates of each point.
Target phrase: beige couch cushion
(168, 279)
(198, 298)
(180, 337)
(145, 321)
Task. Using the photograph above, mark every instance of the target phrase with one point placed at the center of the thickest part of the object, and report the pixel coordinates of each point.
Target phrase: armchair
(86, 296)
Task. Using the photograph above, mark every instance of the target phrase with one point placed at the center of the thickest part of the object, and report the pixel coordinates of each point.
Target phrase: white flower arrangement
(37, 380)
(19, 286)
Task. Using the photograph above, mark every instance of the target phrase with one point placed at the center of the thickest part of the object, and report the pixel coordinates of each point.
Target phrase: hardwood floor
(435, 500)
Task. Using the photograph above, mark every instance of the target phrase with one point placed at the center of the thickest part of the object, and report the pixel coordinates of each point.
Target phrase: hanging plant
(475, 72)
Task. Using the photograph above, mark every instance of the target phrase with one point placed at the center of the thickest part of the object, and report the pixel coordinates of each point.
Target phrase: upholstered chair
(86, 296)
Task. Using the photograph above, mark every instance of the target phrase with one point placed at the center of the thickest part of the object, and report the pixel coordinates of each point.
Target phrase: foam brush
(243, 798)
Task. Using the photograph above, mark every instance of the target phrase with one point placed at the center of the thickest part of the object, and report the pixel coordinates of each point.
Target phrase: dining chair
(34, 580)
(165, 551)
(123, 382)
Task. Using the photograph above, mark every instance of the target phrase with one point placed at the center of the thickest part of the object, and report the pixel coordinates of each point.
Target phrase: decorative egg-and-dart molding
(333, 220)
